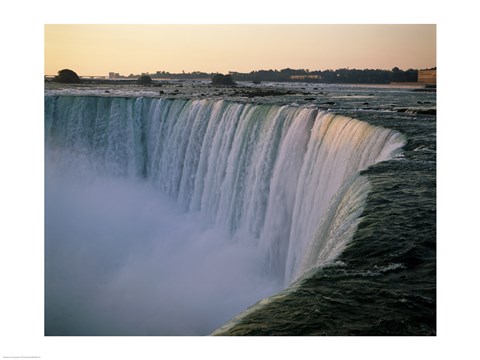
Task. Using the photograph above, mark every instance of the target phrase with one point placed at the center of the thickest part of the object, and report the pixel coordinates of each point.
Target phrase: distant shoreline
(168, 81)
(288, 75)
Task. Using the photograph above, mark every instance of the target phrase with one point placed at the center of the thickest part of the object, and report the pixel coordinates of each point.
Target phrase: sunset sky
(133, 49)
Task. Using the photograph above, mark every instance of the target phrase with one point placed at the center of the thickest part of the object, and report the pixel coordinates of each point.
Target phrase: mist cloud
(121, 259)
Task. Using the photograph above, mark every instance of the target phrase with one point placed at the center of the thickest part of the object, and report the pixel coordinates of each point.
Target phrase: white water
(259, 193)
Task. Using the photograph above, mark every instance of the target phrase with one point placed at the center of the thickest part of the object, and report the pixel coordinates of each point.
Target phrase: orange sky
(126, 49)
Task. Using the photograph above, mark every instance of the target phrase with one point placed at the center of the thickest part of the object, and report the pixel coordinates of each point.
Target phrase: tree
(67, 76)
(220, 79)
(398, 75)
(144, 80)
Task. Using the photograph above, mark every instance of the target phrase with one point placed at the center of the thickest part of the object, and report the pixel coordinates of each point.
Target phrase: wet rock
(427, 111)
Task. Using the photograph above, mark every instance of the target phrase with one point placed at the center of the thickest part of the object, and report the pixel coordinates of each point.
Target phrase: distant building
(427, 76)
(304, 77)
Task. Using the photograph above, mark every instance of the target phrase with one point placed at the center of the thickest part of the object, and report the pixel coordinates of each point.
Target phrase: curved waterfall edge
(333, 235)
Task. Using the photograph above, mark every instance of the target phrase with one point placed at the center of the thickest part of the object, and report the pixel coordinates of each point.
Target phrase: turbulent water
(171, 216)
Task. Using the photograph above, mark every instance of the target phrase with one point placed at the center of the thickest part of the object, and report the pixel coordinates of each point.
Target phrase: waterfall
(285, 175)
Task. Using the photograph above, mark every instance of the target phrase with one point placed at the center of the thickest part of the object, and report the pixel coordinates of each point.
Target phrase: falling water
(282, 180)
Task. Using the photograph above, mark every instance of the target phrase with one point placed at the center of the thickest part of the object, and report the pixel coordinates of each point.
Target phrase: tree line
(339, 76)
